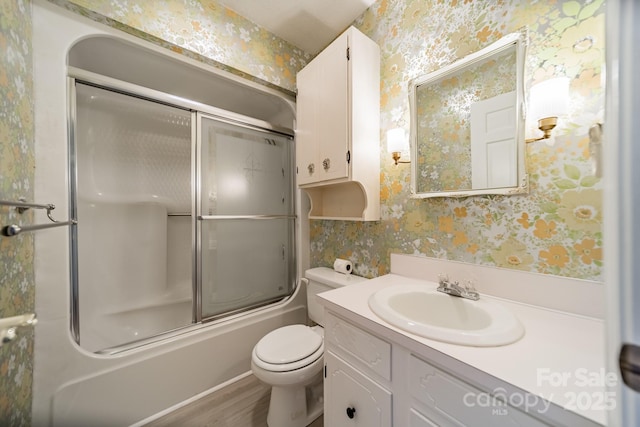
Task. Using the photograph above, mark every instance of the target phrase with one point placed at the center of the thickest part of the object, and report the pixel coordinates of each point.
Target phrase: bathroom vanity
(379, 375)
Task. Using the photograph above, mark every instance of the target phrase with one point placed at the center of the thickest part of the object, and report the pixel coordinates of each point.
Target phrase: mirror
(467, 124)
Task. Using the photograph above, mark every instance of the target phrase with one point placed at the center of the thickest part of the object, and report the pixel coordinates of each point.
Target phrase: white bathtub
(75, 387)
(124, 389)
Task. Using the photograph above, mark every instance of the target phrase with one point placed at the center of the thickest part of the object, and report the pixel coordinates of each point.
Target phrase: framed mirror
(467, 124)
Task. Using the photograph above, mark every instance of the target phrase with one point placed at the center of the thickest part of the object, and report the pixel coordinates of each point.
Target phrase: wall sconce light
(547, 101)
(396, 144)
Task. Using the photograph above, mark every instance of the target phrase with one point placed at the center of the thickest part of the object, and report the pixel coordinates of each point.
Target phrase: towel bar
(14, 229)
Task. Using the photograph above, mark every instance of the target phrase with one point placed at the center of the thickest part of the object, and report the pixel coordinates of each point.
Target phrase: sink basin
(428, 313)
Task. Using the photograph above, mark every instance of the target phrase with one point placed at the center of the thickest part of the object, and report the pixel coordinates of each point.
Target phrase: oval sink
(431, 314)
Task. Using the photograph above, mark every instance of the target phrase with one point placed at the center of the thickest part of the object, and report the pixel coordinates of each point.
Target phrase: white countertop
(561, 357)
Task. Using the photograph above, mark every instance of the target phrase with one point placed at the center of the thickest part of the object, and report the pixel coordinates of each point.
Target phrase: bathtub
(76, 387)
(122, 389)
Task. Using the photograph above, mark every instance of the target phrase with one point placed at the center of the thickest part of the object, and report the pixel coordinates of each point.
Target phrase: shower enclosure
(185, 214)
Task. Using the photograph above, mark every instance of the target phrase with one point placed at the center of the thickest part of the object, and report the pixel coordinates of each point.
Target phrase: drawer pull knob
(351, 412)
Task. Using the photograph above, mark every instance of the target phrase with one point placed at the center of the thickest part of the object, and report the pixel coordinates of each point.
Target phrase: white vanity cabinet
(363, 372)
(353, 399)
(338, 129)
(357, 376)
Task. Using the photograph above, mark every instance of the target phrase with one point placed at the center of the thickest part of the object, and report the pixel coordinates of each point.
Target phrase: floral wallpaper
(444, 128)
(204, 30)
(557, 227)
(17, 291)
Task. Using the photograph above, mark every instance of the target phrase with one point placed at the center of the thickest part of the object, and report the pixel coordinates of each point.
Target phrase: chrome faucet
(456, 289)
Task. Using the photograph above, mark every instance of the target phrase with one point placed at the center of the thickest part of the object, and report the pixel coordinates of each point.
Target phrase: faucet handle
(443, 279)
(470, 290)
(468, 286)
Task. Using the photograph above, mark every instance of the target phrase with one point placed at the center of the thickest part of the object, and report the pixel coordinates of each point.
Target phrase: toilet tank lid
(332, 277)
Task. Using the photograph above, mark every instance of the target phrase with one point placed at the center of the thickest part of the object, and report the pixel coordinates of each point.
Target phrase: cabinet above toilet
(338, 130)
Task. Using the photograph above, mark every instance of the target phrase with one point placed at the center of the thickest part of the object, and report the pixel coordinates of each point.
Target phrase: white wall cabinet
(338, 129)
(362, 376)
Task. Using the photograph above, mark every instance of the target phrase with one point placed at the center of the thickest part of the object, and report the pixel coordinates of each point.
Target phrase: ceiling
(308, 24)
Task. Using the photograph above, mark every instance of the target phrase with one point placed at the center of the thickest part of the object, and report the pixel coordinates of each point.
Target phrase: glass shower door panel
(246, 219)
(245, 264)
(133, 204)
(244, 171)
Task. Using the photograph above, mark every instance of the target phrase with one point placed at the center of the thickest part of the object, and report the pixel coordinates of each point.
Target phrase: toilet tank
(322, 279)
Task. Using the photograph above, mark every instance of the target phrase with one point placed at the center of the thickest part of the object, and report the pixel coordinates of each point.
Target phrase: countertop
(561, 356)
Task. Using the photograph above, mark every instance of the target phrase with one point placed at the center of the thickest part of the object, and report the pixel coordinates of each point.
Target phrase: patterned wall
(557, 227)
(204, 30)
(17, 292)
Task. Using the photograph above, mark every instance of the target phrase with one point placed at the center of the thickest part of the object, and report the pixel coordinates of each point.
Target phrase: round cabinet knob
(326, 164)
(311, 167)
(351, 412)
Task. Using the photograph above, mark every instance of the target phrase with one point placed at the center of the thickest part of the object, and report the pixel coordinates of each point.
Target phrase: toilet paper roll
(343, 266)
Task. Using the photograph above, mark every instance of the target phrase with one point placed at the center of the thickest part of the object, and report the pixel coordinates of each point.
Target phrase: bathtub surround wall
(557, 227)
(72, 386)
(17, 290)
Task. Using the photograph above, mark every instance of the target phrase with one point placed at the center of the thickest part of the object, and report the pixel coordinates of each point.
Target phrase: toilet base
(296, 406)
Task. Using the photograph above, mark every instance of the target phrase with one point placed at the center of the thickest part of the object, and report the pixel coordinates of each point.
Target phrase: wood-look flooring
(242, 404)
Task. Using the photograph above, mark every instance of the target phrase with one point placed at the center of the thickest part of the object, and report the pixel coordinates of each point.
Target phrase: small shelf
(342, 201)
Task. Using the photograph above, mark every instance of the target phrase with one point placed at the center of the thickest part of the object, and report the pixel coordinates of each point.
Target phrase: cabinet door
(306, 126)
(322, 130)
(351, 399)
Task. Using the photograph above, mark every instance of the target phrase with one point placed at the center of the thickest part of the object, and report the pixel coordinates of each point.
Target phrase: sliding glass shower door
(246, 217)
(133, 205)
(183, 217)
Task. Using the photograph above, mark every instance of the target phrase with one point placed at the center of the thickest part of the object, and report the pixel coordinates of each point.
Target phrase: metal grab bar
(14, 229)
(9, 325)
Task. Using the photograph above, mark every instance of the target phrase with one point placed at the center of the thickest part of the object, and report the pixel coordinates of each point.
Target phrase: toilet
(290, 358)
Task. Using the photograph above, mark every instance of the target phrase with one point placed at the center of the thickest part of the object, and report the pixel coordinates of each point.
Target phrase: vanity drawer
(352, 399)
(370, 352)
(448, 401)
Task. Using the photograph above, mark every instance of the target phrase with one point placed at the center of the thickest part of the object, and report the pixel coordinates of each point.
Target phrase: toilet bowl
(290, 359)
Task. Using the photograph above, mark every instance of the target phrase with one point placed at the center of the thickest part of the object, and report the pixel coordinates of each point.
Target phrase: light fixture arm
(546, 125)
(396, 158)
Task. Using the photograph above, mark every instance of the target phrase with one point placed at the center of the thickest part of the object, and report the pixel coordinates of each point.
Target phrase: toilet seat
(288, 348)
